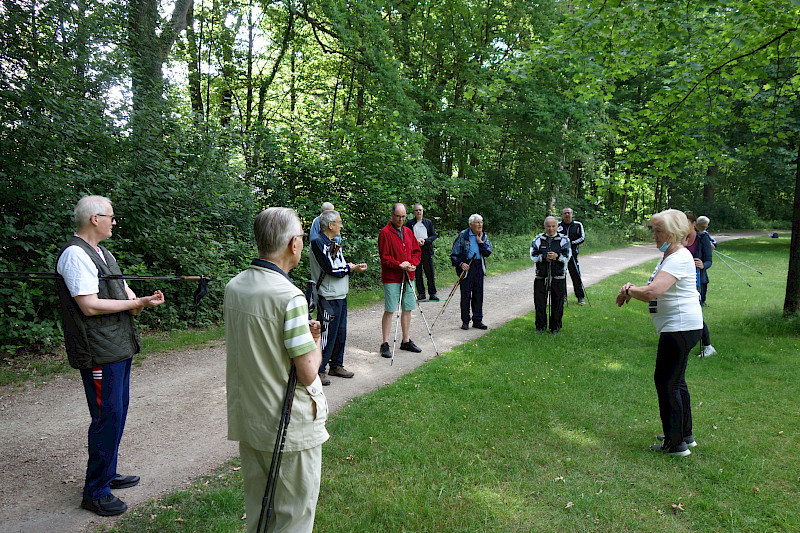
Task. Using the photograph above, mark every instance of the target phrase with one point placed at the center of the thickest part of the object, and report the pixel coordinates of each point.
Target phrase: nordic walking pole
(452, 292)
(736, 260)
(397, 322)
(732, 270)
(277, 452)
(419, 308)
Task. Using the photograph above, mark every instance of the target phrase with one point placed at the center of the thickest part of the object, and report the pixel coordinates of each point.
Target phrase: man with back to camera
(400, 255)
(101, 338)
(425, 234)
(315, 230)
(573, 230)
(331, 273)
(468, 256)
(266, 332)
(551, 252)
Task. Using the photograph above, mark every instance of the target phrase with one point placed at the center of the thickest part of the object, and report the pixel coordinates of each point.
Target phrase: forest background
(194, 115)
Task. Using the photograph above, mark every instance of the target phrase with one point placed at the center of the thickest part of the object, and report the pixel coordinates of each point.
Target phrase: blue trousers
(335, 334)
(107, 390)
(472, 293)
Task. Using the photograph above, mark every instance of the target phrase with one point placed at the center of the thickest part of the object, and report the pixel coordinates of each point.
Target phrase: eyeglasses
(113, 218)
(304, 236)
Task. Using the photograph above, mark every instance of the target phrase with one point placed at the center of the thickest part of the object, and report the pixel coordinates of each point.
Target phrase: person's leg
(476, 301)
(575, 276)
(328, 316)
(391, 301)
(705, 338)
(703, 290)
(107, 394)
(540, 303)
(670, 379)
(419, 282)
(466, 295)
(558, 289)
(427, 266)
(337, 352)
(296, 492)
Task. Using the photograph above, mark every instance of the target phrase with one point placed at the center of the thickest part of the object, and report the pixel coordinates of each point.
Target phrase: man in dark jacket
(100, 337)
(573, 230)
(425, 235)
(470, 250)
(551, 252)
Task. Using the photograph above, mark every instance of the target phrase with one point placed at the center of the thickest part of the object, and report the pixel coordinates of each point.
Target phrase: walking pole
(734, 271)
(548, 283)
(397, 322)
(736, 260)
(452, 292)
(420, 312)
(277, 452)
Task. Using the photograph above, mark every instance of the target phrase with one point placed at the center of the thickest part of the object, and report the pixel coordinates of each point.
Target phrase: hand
(699, 264)
(479, 237)
(465, 266)
(421, 241)
(359, 267)
(151, 301)
(622, 299)
(552, 256)
(316, 330)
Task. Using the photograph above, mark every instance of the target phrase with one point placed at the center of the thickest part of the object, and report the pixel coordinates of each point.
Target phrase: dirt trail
(176, 425)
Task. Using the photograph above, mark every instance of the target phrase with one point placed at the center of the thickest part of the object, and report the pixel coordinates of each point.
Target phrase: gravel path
(176, 425)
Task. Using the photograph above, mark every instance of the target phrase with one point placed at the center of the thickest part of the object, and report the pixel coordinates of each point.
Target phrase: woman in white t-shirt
(674, 305)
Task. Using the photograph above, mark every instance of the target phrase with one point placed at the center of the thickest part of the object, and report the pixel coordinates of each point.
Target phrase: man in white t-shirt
(425, 235)
(100, 337)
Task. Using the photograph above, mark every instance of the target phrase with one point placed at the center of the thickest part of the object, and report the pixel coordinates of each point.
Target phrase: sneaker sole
(692, 444)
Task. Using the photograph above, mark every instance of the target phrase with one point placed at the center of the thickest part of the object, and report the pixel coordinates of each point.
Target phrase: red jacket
(394, 251)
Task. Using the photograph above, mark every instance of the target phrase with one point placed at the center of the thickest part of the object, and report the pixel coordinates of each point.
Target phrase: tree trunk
(193, 65)
(708, 187)
(792, 302)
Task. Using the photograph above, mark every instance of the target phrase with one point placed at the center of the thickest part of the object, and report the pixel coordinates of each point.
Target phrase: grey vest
(102, 339)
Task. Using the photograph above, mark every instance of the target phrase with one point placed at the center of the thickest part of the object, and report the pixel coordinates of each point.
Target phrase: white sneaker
(708, 351)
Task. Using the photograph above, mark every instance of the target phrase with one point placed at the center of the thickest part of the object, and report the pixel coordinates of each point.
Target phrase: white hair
(327, 217)
(475, 218)
(89, 206)
(703, 221)
(274, 227)
(326, 206)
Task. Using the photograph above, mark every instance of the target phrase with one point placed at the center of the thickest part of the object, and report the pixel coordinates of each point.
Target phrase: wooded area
(193, 115)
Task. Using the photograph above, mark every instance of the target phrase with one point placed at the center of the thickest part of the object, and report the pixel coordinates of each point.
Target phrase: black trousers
(674, 404)
(427, 268)
(575, 275)
(558, 290)
(472, 293)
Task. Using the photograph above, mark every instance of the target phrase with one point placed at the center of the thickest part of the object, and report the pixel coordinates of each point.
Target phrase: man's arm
(485, 248)
(566, 250)
(91, 305)
(581, 235)
(416, 251)
(308, 364)
(432, 236)
(384, 250)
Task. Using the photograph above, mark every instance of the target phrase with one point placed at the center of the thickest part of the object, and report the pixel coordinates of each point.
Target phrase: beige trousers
(295, 494)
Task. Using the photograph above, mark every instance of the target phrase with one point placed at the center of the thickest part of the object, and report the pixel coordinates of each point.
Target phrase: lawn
(524, 432)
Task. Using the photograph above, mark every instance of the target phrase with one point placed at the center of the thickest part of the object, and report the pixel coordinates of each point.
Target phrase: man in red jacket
(400, 254)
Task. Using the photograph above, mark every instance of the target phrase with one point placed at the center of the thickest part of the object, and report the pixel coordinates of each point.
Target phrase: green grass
(523, 432)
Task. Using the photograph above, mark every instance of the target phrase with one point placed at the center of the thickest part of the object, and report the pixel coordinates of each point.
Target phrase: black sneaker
(690, 442)
(479, 325)
(108, 505)
(421, 298)
(124, 482)
(679, 449)
(410, 346)
(385, 352)
(433, 298)
(465, 325)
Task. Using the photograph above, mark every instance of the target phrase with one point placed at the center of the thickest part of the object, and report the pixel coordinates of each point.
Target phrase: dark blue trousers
(335, 335)
(472, 293)
(107, 390)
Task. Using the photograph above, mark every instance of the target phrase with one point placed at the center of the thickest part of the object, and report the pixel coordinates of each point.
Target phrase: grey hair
(550, 218)
(675, 224)
(327, 218)
(274, 227)
(703, 221)
(326, 206)
(394, 207)
(474, 218)
(88, 206)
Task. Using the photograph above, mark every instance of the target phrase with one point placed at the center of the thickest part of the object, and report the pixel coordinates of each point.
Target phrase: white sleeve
(679, 265)
(79, 272)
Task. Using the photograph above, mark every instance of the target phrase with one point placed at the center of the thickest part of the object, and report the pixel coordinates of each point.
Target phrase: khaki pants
(296, 492)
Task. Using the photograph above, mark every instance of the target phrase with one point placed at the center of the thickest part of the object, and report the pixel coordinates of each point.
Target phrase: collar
(269, 265)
